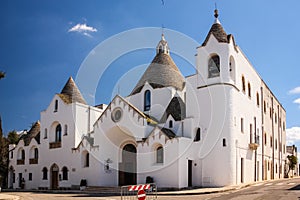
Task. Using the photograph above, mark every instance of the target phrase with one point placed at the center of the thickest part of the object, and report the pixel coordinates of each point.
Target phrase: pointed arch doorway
(54, 176)
(127, 167)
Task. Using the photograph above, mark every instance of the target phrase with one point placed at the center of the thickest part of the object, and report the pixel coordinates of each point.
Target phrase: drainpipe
(255, 155)
(89, 120)
(262, 133)
(273, 145)
(279, 140)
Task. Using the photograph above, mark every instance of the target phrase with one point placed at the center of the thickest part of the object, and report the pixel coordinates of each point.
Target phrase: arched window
(66, 129)
(45, 173)
(160, 155)
(214, 66)
(36, 153)
(232, 68)
(198, 135)
(147, 100)
(257, 99)
(64, 173)
(243, 84)
(270, 112)
(45, 134)
(224, 142)
(56, 106)
(23, 154)
(249, 89)
(58, 133)
(170, 124)
(87, 160)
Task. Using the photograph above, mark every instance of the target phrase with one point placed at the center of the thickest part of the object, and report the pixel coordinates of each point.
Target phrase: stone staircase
(103, 190)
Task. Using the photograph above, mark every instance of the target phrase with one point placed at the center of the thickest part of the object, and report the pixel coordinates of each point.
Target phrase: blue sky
(42, 43)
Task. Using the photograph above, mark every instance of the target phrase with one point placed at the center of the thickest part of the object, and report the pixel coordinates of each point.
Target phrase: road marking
(269, 184)
(279, 184)
(291, 183)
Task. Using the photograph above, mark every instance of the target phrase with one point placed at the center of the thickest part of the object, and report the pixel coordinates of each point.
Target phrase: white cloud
(292, 135)
(295, 91)
(84, 29)
(297, 101)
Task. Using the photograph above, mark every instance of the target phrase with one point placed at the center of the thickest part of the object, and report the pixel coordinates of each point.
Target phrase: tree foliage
(13, 137)
(3, 157)
(292, 162)
(2, 74)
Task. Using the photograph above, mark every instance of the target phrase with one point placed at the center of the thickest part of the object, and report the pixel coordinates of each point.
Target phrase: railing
(54, 145)
(33, 161)
(143, 191)
(21, 162)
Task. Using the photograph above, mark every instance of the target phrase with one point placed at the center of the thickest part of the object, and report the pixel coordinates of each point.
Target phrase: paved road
(274, 190)
(285, 190)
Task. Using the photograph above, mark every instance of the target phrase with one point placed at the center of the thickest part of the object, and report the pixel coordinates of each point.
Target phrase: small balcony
(20, 161)
(54, 145)
(255, 144)
(33, 161)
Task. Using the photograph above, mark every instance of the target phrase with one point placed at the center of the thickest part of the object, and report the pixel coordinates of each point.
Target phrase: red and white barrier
(139, 187)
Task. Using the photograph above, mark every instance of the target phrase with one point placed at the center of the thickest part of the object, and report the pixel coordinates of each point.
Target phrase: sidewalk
(205, 190)
(8, 196)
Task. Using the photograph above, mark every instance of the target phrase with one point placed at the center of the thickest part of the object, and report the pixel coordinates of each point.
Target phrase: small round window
(116, 115)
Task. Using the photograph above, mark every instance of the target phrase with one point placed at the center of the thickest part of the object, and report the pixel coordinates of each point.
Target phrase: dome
(162, 72)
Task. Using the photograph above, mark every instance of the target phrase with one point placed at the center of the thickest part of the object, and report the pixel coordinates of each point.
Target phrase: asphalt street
(272, 190)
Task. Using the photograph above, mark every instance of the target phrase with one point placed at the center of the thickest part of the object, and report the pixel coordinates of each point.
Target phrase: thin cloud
(292, 135)
(295, 91)
(83, 29)
(297, 101)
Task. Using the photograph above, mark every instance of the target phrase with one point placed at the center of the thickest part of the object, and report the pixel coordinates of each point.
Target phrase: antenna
(162, 29)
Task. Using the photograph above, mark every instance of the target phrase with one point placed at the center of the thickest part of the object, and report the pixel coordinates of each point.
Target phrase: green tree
(13, 137)
(292, 162)
(3, 157)
(2, 74)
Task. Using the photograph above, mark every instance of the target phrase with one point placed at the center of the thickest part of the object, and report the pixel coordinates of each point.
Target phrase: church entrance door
(54, 177)
(127, 168)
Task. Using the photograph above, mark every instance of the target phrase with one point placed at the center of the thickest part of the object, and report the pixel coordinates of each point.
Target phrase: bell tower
(214, 58)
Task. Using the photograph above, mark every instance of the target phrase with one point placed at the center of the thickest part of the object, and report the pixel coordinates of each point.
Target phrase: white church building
(220, 126)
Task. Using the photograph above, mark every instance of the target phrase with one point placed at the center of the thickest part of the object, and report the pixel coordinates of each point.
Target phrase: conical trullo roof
(217, 31)
(162, 72)
(70, 93)
(34, 132)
